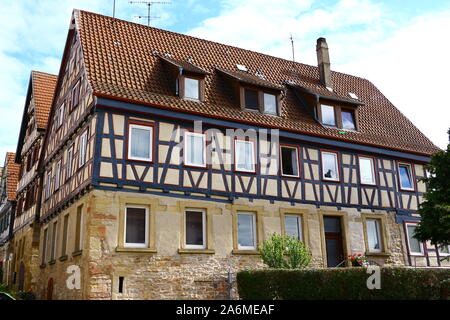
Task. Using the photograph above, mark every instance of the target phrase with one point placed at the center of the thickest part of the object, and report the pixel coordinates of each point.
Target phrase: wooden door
(334, 241)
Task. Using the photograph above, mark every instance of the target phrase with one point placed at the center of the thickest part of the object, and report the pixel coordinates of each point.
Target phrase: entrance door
(333, 241)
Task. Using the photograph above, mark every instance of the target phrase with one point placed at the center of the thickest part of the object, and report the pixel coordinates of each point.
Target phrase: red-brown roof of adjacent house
(43, 90)
(122, 61)
(12, 171)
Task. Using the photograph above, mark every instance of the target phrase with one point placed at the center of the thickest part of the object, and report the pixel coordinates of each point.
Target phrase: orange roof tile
(43, 90)
(120, 63)
(12, 178)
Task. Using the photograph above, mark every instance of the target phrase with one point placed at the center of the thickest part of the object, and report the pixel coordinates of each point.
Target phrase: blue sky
(401, 46)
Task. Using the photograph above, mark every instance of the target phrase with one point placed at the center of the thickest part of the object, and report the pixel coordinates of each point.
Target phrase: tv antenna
(149, 9)
(293, 52)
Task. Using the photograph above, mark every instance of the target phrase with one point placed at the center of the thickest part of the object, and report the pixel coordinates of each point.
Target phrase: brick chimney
(323, 62)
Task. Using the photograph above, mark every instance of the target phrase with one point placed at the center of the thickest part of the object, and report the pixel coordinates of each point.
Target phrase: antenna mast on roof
(114, 8)
(149, 6)
(293, 52)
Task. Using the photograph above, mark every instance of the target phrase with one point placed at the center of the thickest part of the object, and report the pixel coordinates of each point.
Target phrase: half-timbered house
(26, 228)
(169, 159)
(8, 184)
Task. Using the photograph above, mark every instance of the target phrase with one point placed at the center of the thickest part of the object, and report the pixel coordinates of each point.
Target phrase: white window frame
(194, 246)
(58, 174)
(131, 244)
(379, 235)
(187, 148)
(48, 184)
(411, 176)
(60, 115)
(255, 237)
(334, 115)
(82, 149)
(336, 155)
(236, 141)
(198, 88)
(69, 160)
(409, 246)
(374, 179)
(297, 160)
(130, 141)
(276, 103)
(299, 224)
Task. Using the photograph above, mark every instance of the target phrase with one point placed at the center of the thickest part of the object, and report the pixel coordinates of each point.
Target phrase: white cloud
(407, 60)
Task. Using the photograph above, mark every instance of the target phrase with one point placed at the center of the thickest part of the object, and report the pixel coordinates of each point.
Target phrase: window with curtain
(373, 235)
(270, 103)
(244, 155)
(293, 226)
(140, 142)
(348, 120)
(330, 170)
(246, 231)
(192, 88)
(366, 170)
(195, 149)
(328, 115)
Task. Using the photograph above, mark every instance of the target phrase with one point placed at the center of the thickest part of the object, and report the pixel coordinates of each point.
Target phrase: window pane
(251, 99)
(328, 115)
(348, 122)
(194, 228)
(293, 226)
(373, 235)
(246, 235)
(444, 249)
(329, 165)
(195, 152)
(135, 225)
(289, 161)
(140, 143)
(270, 103)
(414, 244)
(405, 177)
(332, 224)
(191, 88)
(244, 155)
(366, 170)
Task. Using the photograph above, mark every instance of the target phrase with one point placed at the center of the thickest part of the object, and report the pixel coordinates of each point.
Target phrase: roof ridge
(42, 72)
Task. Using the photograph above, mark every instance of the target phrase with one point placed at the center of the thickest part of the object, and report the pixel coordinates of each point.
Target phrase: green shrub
(285, 252)
(343, 284)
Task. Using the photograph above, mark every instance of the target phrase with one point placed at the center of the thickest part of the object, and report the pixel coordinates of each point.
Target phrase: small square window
(366, 170)
(405, 177)
(328, 115)
(373, 235)
(246, 231)
(289, 161)
(270, 103)
(136, 226)
(330, 169)
(195, 229)
(251, 99)
(348, 120)
(245, 156)
(194, 149)
(192, 88)
(140, 142)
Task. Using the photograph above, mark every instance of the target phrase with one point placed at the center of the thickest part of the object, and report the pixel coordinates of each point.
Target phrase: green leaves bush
(397, 283)
(285, 252)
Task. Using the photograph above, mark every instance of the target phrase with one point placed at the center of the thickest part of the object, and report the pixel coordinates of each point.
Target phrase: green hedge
(343, 284)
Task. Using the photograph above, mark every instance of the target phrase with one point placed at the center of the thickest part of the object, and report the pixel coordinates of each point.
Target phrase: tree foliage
(435, 210)
(285, 252)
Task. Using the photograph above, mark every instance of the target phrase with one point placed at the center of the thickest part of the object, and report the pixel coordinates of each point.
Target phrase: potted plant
(358, 260)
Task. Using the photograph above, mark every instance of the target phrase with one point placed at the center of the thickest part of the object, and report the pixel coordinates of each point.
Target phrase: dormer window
(191, 88)
(260, 100)
(270, 103)
(348, 119)
(328, 115)
(251, 99)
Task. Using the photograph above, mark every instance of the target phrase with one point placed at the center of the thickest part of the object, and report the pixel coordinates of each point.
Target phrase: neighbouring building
(8, 184)
(168, 160)
(26, 227)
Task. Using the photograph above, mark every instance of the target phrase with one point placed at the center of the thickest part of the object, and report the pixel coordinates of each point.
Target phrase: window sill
(77, 253)
(136, 250)
(246, 252)
(378, 254)
(63, 258)
(196, 251)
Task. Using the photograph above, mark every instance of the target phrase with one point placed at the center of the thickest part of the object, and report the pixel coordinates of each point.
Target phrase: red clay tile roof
(184, 65)
(12, 171)
(43, 89)
(120, 64)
